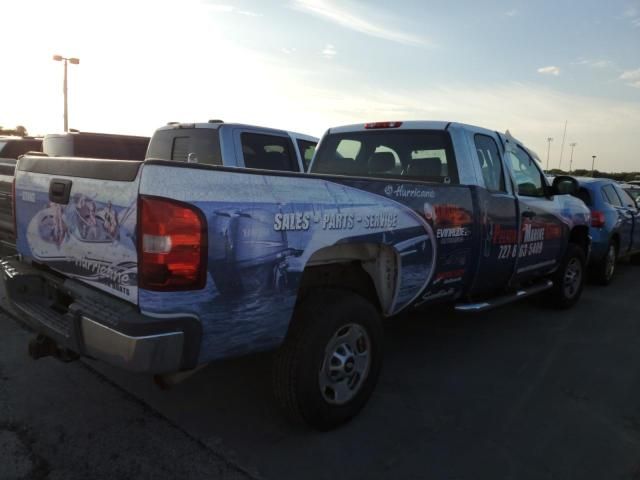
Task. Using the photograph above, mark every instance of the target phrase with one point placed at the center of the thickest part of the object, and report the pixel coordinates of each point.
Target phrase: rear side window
(490, 163)
(424, 155)
(177, 144)
(627, 199)
(269, 152)
(307, 149)
(610, 196)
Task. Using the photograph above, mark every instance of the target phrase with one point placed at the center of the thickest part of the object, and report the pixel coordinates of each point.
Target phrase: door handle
(528, 214)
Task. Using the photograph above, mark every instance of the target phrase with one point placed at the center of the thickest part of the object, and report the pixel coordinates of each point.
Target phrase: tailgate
(78, 217)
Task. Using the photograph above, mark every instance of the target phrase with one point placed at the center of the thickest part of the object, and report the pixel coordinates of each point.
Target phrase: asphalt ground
(523, 392)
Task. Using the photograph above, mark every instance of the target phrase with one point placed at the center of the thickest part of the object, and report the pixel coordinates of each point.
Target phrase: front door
(542, 233)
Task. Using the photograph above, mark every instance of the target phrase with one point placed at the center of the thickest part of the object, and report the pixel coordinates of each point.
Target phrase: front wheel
(328, 366)
(568, 280)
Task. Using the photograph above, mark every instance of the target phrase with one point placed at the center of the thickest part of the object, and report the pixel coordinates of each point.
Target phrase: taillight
(382, 125)
(13, 208)
(597, 219)
(172, 245)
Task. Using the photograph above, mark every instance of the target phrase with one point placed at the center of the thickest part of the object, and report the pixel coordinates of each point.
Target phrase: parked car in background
(633, 190)
(233, 145)
(11, 148)
(615, 225)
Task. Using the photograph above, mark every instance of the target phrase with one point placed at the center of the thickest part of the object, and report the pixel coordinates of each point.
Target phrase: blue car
(615, 225)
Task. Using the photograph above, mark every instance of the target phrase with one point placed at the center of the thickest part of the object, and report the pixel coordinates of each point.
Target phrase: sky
(307, 65)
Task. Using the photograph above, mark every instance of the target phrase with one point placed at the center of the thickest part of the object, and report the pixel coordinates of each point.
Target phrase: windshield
(409, 154)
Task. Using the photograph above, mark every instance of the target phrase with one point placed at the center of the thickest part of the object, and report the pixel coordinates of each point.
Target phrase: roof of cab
(217, 124)
(406, 125)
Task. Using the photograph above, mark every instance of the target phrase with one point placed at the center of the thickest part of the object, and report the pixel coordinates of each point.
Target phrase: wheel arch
(368, 269)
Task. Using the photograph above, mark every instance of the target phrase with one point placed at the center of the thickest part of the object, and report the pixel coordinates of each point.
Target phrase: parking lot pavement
(518, 393)
(65, 422)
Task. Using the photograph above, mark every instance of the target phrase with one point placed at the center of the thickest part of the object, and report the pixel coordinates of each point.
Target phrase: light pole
(572, 145)
(549, 140)
(593, 162)
(72, 61)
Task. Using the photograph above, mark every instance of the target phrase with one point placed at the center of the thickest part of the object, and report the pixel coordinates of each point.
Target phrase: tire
(603, 271)
(566, 291)
(328, 325)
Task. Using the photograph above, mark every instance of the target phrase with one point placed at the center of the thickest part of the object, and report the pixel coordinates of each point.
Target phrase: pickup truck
(216, 143)
(162, 266)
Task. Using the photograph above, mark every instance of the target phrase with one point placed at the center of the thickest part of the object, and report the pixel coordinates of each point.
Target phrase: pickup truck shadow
(448, 379)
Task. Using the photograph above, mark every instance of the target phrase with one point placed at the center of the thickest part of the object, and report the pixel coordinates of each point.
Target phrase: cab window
(490, 163)
(269, 152)
(423, 155)
(526, 173)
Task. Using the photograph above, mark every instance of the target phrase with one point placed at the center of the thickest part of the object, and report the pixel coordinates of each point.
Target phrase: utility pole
(72, 61)
(593, 162)
(549, 140)
(572, 145)
(564, 134)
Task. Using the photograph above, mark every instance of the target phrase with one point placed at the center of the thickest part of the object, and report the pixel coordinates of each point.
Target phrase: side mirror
(564, 185)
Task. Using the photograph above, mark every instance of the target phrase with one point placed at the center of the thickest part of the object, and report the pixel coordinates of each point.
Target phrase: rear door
(629, 212)
(499, 213)
(542, 233)
(78, 217)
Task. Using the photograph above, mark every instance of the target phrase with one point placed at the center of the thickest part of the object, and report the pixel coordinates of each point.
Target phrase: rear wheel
(328, 366)
(604, 270)
(568, 280)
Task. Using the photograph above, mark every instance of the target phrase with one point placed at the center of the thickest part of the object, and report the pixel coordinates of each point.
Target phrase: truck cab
(232, 145)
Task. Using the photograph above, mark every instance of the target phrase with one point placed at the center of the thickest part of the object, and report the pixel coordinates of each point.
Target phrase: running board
(503, 299)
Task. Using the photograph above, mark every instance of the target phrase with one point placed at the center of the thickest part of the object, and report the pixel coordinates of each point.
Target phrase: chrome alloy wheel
(572, 278)
(346, 364)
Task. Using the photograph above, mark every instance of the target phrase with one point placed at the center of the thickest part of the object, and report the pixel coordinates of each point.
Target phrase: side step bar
(504, 299)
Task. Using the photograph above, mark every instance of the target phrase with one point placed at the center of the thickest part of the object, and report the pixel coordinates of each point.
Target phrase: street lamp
(549, 140)
(593, 161)
(72, 61)
(572, 145)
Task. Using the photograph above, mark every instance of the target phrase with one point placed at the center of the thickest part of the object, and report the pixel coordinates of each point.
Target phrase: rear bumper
(97, 325)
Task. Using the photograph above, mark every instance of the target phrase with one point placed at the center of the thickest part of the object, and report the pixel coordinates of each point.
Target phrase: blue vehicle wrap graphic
(91, 238)
(264, 229)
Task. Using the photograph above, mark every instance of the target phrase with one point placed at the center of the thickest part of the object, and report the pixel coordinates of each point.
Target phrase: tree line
(19, 131)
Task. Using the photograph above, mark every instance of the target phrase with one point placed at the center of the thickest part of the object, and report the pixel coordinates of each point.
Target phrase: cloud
(633, 14)
(550, 70)
(595, 63)
(512, 13)
(344, 18)
(631, 77)
(288, 51)
(329, 51)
